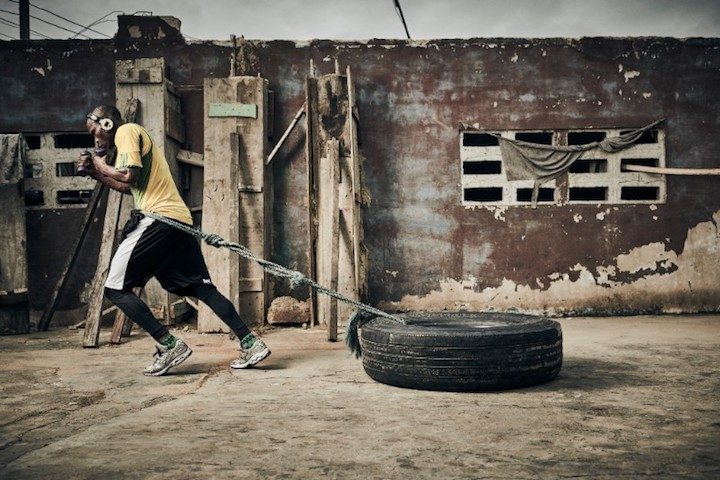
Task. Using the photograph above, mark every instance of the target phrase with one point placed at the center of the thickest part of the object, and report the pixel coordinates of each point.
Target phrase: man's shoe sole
(177, 361)
(255, 359)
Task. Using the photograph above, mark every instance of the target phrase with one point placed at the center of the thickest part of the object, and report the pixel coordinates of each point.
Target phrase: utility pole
(24, 19)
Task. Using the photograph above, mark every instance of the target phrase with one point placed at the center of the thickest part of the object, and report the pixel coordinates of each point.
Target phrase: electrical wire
(7, 36)
(101, 19)
(98, 21)
(62, 18)
(398, 9)
(13, 24)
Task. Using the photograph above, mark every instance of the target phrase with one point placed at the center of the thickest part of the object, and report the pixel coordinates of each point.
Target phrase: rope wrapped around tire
(462, 351)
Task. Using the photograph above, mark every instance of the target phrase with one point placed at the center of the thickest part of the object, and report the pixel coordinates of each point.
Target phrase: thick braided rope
(296, 278)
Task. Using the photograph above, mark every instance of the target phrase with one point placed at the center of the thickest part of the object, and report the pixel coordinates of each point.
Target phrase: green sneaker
(167, 358)
(257, 352)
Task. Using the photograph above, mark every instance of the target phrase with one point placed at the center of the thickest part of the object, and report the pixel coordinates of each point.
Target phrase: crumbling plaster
(668, 282)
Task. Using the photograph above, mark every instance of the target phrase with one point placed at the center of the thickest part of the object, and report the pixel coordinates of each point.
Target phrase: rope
(296, 278)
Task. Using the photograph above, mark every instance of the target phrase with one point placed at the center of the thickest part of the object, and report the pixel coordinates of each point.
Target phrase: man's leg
(253, 350)
(171, 352)
(137, 311)
(141, 253)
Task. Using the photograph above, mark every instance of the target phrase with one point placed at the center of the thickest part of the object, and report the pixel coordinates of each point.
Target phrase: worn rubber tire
(462, 351)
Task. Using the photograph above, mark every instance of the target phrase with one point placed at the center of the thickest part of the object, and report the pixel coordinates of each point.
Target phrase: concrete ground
(637, 397)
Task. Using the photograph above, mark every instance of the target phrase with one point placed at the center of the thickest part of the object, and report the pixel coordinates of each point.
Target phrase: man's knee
(115, 295)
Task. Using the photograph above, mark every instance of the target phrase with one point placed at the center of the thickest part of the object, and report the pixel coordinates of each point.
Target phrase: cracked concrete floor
(637, 397)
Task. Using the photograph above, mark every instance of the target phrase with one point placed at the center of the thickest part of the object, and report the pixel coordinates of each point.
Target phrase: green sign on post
(248, 110)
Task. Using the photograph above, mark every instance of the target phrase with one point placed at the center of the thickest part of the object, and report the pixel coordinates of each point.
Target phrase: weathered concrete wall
(426, 249)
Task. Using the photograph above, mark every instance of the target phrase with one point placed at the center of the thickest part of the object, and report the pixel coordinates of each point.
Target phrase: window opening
(33, 142)
(643, 162)
(588, 194)
(639, 193)
(589, 166)
(489, 194)
(479, 140)
(544, 138)
(70, 197)
(544, 195)
(74, 140)
(65, 169)
(490, 167)
(648, 136)
(582, 138)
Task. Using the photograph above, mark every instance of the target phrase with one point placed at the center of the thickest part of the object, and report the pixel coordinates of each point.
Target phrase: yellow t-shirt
(155, 190)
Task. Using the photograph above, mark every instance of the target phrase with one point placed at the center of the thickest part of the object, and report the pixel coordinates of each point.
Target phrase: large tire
(462, 351)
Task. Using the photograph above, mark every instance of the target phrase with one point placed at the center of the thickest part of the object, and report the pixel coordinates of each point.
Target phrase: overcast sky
(362, 19)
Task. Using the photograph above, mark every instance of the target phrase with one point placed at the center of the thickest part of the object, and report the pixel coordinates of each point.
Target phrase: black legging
(137, 311)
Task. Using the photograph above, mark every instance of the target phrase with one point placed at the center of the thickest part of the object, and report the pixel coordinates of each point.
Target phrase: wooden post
(330, 116)
(94, 313)
(237, 193)
(310, 156)
(329, 234)
(355, 186)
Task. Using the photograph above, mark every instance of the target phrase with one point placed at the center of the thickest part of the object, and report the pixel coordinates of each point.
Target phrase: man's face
(103, 139)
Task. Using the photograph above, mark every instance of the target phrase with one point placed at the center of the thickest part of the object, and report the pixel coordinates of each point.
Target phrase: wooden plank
(672, 171)
(94, 313)
(332, 122)
(311, 191)
(328, 235)
(190, 158)
(174, 123)
(236, 195)
(294, 122)
(74, 249)
(233, 110)
(355, 182)
(220, 200)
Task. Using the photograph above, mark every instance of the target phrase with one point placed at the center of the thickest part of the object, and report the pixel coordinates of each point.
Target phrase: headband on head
(105, 123)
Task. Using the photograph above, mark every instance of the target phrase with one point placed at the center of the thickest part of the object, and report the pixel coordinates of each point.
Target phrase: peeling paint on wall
(668, 283)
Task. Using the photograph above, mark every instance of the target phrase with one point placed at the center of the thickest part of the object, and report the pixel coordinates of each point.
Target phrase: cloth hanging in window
(542, 163)
(13, 152)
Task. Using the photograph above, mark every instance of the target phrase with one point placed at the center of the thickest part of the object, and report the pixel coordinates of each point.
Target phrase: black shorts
(155, 249)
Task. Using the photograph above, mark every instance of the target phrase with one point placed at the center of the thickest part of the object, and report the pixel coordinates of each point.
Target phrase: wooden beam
(90, 210)
(190, 158)
(294, 122)
(94, 313)
(354, 181)
(311, 190)
(329, 234)
(672, 171)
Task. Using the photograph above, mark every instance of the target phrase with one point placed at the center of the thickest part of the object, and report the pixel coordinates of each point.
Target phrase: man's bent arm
(123, 175)
(111, 182)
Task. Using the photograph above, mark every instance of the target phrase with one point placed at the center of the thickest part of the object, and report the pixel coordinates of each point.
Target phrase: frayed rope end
(352, 336)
